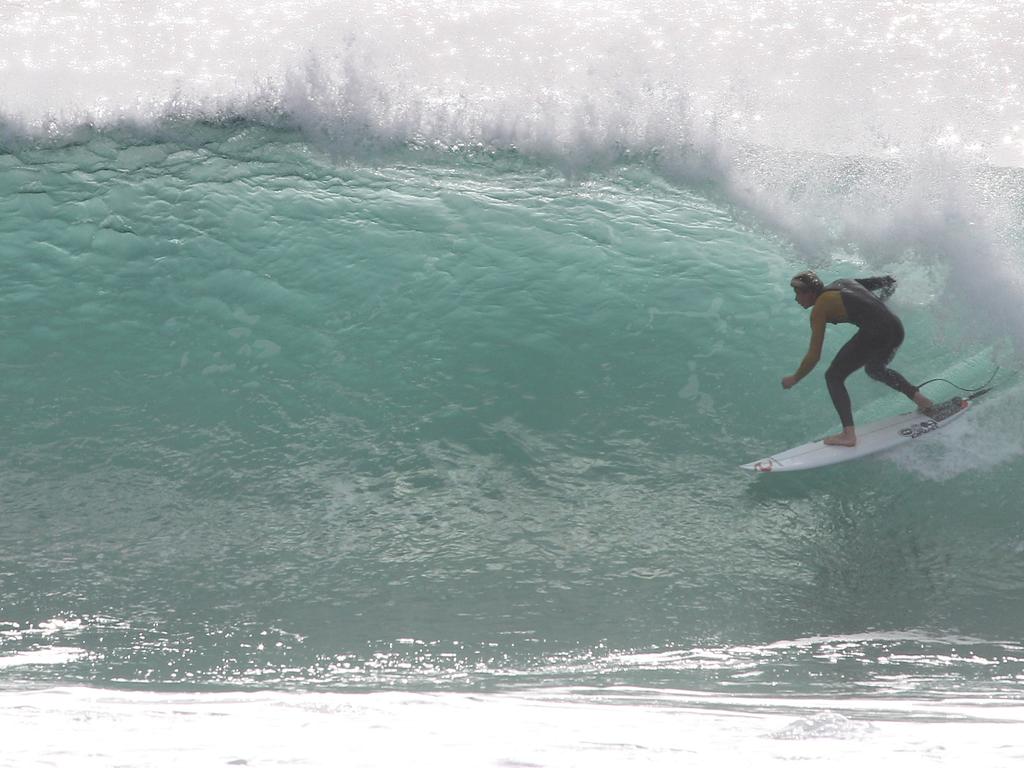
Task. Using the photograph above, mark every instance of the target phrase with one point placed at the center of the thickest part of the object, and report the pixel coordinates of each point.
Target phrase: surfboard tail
(979, 393)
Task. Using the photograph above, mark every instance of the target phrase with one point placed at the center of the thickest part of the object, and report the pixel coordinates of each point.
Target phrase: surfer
(879, 335)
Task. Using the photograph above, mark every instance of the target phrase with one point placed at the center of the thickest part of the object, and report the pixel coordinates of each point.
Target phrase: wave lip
(567, 73)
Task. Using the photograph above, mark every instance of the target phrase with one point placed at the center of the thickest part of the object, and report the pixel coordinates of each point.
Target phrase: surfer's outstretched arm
(813, 355)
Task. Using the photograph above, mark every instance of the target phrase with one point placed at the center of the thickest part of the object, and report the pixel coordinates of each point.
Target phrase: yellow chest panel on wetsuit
(829, 308)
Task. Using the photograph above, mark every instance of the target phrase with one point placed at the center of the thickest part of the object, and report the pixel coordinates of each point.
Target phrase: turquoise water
(413, 376)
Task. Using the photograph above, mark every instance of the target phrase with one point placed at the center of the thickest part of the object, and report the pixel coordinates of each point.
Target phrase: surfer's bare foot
(923, 403)
(847, 438)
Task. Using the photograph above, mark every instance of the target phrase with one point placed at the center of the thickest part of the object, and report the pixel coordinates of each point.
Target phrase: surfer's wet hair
(807, 281)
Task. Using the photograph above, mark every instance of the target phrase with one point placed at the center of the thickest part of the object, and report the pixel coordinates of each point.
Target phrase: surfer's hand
(788, 382)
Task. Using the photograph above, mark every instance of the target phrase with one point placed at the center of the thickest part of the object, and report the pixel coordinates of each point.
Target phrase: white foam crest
(854, 81)
(52, 656)
(565, 727)
(824, 725)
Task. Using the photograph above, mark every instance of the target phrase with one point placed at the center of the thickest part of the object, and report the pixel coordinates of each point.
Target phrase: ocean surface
(374, 378)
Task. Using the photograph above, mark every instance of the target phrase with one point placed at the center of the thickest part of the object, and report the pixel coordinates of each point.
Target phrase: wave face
(417, 347)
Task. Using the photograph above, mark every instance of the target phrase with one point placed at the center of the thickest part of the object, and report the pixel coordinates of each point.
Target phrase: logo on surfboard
(943, 411)
(916, 430)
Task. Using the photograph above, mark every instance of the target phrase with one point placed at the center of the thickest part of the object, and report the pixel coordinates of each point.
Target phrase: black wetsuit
(873, 346)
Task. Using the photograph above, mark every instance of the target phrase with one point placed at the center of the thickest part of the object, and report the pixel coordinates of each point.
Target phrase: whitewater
(375, 378)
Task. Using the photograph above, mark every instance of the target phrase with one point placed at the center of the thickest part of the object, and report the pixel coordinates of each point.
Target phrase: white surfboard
(871, 438)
